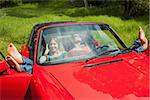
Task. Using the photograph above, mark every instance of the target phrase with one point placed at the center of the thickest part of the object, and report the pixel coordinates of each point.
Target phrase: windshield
(69, 43)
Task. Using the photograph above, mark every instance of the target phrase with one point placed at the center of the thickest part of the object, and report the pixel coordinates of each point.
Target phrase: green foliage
(141, 6)
(34, 1)
(130, 8)
(9, 3)
(136, 7)
(16, 23)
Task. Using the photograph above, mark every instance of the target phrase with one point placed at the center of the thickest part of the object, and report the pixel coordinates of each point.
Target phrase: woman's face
(53, 45)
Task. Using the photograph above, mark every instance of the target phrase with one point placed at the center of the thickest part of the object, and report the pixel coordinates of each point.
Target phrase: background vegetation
(17, 17)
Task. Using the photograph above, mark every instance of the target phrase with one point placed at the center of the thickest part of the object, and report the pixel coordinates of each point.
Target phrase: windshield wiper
(103, 63)
(126, 50)
(91, 58)
(109, 51)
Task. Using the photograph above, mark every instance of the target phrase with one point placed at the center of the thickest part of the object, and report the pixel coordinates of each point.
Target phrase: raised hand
(141, 33)
(47, 50)
(142, 38)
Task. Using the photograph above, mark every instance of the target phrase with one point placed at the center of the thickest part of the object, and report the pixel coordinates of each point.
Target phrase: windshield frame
(57, 25)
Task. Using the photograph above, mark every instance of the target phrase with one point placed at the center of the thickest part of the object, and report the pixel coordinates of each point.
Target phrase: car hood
(124, 77)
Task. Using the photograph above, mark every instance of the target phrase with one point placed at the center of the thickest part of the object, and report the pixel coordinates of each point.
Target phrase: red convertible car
(97, 65)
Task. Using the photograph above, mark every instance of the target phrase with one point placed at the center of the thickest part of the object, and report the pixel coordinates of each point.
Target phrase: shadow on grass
(21, 12)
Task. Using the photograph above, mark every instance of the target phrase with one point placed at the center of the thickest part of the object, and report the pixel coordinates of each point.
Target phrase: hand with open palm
(47, 50)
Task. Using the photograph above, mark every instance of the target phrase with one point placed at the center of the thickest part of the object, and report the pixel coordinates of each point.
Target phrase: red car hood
(124, 77)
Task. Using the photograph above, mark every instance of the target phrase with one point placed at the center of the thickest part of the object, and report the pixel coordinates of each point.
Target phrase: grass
(17, 22)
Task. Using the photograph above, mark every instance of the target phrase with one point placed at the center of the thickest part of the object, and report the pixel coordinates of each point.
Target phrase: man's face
(77, 38)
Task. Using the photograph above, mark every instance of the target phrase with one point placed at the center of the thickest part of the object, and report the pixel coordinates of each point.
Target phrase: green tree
(9, 3)
(134, 8)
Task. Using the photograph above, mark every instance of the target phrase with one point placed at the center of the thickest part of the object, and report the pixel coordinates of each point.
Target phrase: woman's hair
(53, 38)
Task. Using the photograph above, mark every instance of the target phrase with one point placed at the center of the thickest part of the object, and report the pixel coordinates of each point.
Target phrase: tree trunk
(86, 3)
(127, 8)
